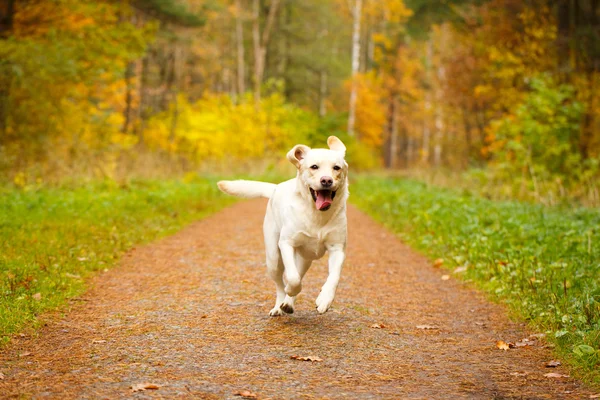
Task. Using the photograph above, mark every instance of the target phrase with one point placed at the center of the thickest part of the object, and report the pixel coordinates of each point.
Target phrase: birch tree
(261, 43)
(356, 16)
(239, 36)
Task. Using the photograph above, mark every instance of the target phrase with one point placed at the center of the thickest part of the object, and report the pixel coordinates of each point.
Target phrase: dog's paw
(324, 301)
(287, 308)
(276, 312)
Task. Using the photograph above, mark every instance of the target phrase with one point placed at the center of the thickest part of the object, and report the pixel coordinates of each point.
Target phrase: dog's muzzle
(322, 198)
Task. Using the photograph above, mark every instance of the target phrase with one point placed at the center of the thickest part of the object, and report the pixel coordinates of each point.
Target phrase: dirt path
(190, 314)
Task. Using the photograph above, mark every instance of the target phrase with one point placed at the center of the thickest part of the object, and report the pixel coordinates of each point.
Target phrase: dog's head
(322, 172)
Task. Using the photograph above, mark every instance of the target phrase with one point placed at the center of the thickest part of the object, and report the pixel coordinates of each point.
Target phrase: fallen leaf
(553, 364)
(595, 396)
(458, 270)
(502, 345)
(98, 341)
(37, 296)
(25, 354)
(438, 262)
(427, 327)
(309, 358)
(82, 258)
(1, 376)
(555, 375)
(378, 326)
(445, 277)
(246, 394)
(72, 276)
(538, 335)
(139, 387)
(519, 373)
(524, 342)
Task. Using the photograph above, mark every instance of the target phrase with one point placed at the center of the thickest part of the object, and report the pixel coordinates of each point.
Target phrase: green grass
(544, 262)
(51, 240)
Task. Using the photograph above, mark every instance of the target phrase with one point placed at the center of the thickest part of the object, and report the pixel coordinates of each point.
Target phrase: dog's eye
(337, 168)
(314, 166)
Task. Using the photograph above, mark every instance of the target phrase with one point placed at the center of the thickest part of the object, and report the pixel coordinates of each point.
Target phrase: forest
(498, 95)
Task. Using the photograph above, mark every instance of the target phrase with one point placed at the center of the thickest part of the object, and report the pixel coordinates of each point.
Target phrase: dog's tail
(248, 189)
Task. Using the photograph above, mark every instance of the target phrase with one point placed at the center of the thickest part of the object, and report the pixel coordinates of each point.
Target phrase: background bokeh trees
(501, 94)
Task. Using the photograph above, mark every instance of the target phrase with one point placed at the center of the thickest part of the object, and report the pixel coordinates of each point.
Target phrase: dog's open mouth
(322, 198)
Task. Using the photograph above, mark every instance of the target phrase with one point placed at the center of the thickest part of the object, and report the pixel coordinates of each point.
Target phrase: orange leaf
(427, 327)
(140, 387)
(309, 358)
(246, 394)
(502, 345)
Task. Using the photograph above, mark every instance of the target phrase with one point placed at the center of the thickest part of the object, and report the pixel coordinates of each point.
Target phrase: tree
(356, 17)
(7, 11)
(261, 43)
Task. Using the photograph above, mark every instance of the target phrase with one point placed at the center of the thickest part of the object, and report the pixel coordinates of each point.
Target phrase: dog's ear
(297, 154)
(336, 144)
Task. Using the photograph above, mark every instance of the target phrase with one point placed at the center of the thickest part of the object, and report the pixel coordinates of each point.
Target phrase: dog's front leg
(336, 261)
(292, 277)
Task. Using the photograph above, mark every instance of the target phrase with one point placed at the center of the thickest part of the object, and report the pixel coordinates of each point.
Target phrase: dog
(305, 217)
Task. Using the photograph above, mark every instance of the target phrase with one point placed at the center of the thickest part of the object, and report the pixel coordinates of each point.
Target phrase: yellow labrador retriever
(306, 216)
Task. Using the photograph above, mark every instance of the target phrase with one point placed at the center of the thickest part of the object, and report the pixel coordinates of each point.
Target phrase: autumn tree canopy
(504, 87)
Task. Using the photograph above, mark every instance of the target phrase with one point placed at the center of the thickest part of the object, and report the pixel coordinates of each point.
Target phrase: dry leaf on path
(309, 358)
(438, 262)
(502, 345)
(555, 375)
(378, 326)
(246, 394)
(1, 376)
(25, 354)
(553, 364)
(99, 341)
(524, 342)
(427, 327)
(595, 396)
(519, 373)
(139, 387)
(445, 277)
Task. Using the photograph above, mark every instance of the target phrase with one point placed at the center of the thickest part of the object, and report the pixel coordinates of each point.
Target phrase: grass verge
(544, 262)
(51, 240)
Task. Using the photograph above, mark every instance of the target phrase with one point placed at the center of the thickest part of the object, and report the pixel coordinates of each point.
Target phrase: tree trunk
(144, 99)
(392, 128)
(323, 94)
(356, 15)
(426, 130)
(410, 151)
(7, 11)
(239, 35)
(261, 43)
(129, 87)
(439, 136)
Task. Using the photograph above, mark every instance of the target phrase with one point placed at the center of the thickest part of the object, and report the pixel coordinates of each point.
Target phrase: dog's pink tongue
(324, 199)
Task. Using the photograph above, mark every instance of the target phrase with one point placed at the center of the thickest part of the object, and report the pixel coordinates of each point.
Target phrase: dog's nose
(326, 181)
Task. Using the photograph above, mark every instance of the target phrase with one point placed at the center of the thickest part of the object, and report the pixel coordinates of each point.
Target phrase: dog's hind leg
(302, 265)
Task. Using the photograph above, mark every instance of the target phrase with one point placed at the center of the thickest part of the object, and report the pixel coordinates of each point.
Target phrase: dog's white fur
(296, 232)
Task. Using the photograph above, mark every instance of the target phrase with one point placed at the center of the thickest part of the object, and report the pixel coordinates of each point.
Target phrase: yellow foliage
(214, 128)
(370, 110)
